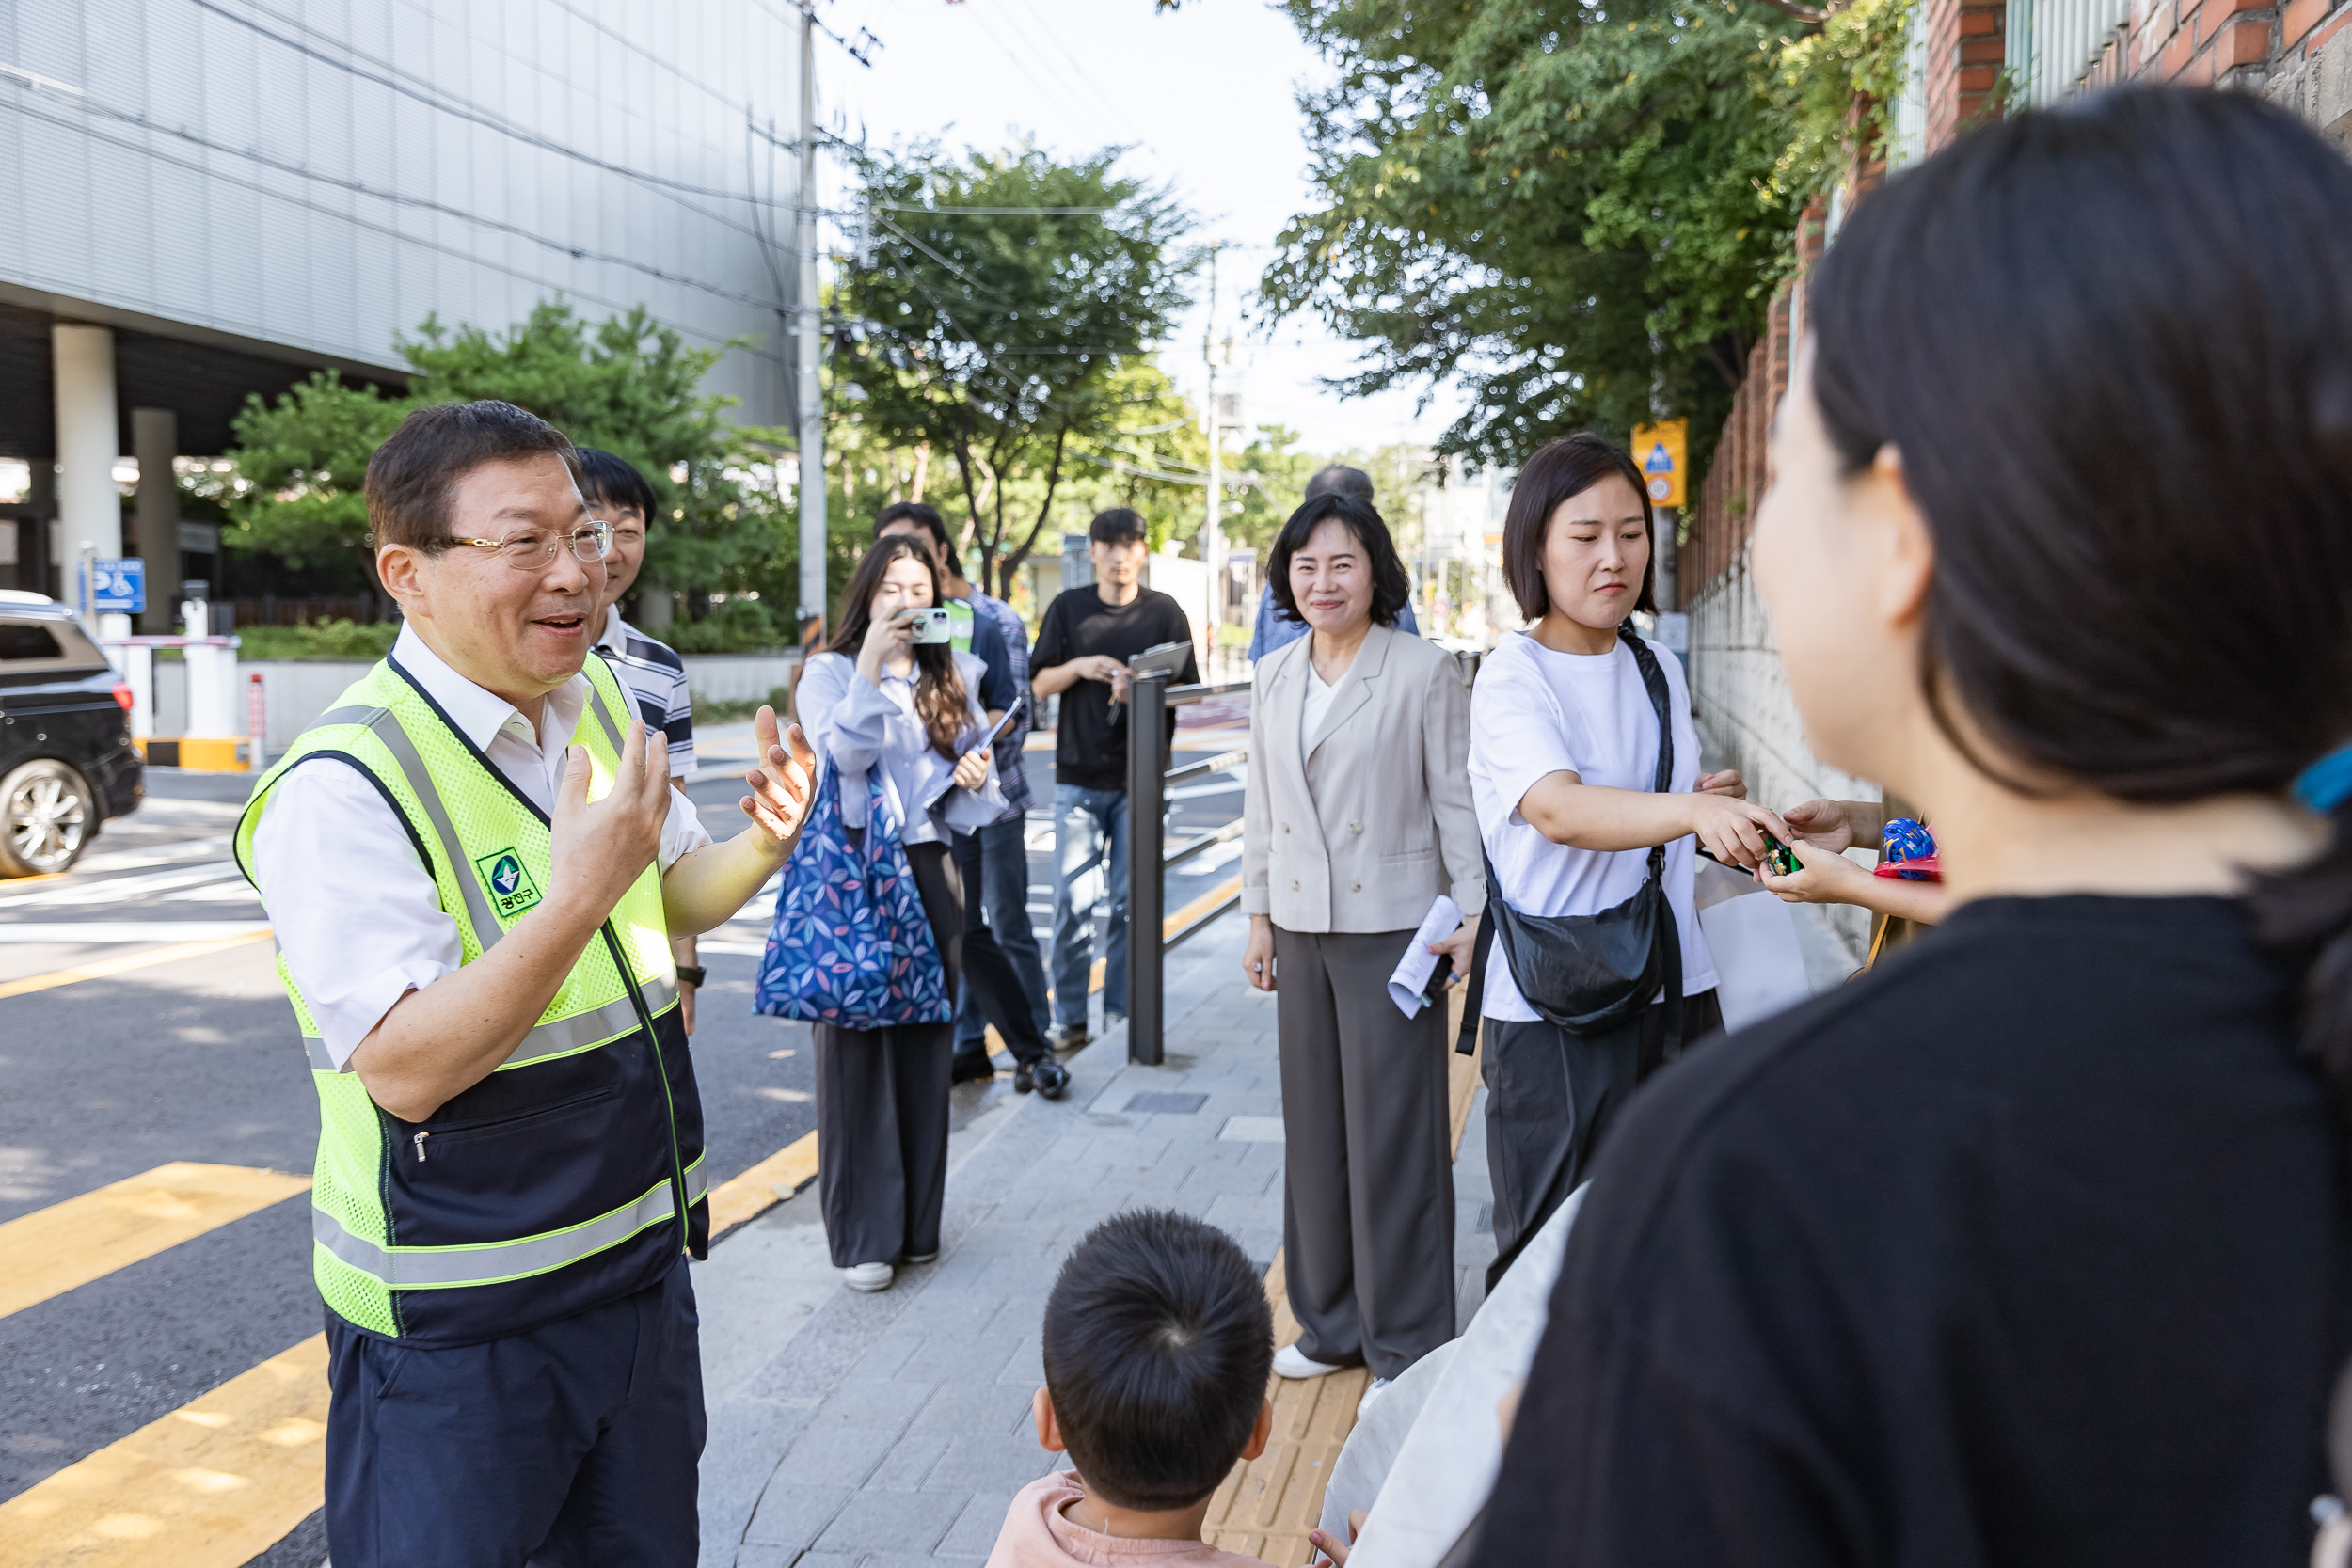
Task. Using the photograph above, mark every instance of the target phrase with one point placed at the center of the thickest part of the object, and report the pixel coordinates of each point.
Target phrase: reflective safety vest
(556, 1183)
(959, 625)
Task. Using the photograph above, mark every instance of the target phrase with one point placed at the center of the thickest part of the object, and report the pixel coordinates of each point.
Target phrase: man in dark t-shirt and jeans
(1081, 656)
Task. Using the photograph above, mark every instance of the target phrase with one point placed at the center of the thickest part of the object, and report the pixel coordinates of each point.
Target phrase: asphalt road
(198, 1059)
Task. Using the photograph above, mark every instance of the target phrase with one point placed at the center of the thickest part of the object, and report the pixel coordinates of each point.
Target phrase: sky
(1206, 97)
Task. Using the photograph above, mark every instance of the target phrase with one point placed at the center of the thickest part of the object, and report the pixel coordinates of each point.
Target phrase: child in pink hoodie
(1158, 1343)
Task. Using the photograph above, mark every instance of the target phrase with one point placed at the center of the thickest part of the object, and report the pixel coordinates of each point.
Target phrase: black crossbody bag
(1587, 974)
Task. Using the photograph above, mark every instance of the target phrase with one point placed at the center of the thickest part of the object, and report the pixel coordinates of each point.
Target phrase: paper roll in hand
(1421, 975)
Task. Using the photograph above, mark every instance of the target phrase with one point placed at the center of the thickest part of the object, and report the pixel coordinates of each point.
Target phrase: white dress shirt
(358, 916)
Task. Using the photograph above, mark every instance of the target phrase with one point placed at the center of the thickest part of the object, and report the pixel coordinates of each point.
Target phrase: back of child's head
(614, 484)
(1158, 1343)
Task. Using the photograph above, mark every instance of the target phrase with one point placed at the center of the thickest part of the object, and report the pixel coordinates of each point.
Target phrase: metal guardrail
(1149, 700)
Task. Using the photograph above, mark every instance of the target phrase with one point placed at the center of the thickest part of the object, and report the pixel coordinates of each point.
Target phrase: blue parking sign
(119, 587)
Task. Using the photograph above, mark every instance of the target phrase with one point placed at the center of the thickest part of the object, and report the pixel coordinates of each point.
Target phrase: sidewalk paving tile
(908, 1521)
(891, 1430)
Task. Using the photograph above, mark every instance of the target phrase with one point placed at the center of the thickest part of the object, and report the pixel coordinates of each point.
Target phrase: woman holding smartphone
(879, 705)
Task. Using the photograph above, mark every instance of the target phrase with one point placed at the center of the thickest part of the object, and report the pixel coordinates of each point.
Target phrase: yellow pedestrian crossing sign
(1659, 449)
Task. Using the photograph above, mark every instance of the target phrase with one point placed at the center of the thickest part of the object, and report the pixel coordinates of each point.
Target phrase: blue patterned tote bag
(850, 946)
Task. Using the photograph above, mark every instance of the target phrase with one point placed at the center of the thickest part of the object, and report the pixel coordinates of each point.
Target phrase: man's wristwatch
(691, 974)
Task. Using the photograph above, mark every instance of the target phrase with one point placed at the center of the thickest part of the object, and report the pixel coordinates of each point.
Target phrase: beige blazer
(1364, 829)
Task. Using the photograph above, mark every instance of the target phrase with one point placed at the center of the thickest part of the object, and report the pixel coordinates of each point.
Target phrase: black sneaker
(970, 1070)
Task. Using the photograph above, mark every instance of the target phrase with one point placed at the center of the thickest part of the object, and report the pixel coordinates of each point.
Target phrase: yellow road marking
(1198, 907)
(70, 1244)
(763, 1186)
(212, 1485)
(105, 967)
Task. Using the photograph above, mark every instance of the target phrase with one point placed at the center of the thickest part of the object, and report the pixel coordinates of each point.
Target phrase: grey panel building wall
(325, 174)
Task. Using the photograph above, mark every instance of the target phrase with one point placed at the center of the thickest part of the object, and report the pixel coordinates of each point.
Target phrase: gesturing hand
(597, 850)
(782, 786)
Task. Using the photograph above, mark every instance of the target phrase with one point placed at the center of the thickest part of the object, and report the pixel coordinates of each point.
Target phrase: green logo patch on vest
(512, 890)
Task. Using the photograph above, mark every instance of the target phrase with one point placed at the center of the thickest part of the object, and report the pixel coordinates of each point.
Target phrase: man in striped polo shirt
(654, 674)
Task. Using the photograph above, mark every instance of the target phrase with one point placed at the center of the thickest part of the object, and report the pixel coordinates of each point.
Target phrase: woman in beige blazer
(1358, 816)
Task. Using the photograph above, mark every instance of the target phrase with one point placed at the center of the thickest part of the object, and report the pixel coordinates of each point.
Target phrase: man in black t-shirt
(1081, 656)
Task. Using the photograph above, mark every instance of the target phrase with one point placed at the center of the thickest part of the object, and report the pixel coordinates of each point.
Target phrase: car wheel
(45, 818)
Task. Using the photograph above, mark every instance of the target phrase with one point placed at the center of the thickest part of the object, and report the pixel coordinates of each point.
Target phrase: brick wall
(1964, 54)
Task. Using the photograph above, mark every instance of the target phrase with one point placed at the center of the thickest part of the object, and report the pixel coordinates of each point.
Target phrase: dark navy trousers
(575, 1444)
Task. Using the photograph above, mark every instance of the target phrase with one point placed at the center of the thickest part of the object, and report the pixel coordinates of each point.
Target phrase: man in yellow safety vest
(475, 865)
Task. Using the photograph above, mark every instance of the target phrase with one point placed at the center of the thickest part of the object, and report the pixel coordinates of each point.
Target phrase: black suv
(66, 759)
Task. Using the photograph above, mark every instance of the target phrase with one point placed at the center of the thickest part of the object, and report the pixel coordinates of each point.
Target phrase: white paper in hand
(1413, 970)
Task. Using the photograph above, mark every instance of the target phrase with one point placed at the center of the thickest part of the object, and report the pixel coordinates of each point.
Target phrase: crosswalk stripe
(105, 967)
(67, 1244)
(213, 1484)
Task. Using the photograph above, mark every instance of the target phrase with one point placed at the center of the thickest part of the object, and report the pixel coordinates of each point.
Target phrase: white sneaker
(1291, 1362)
(927, 1258)
(867, 1277)
(1379, 1387)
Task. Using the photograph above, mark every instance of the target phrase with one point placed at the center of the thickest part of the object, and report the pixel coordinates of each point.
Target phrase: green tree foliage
(627, 384)
(295, 492)
(999, 298)
(1577, 212)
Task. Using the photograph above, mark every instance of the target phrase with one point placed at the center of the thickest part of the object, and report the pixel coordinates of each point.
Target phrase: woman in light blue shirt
(878, 705)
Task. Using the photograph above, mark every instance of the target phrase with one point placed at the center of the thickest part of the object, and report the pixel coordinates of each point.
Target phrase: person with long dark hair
(877, 704)
(1355, 820)
(2032, 1247)
(1571, 723)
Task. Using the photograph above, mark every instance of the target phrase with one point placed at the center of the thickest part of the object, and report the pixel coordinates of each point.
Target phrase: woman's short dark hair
(615, 485)
(1157, 1343)
(940, 701)
(2112, 343)
(1561, 469)
(411, 476)
(1391, 590)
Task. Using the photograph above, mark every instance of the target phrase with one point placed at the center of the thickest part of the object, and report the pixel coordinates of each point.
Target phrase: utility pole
(811, 394)
(1212, 541)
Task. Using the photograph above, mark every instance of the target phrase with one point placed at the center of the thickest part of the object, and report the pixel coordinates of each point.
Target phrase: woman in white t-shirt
(1562, 765)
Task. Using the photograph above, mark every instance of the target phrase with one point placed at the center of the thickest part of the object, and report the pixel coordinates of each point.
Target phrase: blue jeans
(1002, 896)
(1089, 829)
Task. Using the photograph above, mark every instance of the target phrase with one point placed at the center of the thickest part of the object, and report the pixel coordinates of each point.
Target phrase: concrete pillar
(88, 442)
(154, 441)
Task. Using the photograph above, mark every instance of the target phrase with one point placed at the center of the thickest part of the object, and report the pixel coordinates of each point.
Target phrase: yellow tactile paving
(212, 1485)
(67, 1244)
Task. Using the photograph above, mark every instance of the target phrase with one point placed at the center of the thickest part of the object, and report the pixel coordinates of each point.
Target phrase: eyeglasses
(533, 549)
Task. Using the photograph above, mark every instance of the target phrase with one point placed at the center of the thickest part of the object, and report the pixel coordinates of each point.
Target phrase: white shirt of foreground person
(356, 913)
(1535, 712)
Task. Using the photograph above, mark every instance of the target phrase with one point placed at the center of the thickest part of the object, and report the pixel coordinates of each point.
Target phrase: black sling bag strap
(1587, 974)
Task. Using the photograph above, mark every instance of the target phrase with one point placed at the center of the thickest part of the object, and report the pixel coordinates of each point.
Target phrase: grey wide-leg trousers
(882, 1107)
(1368, 1174)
